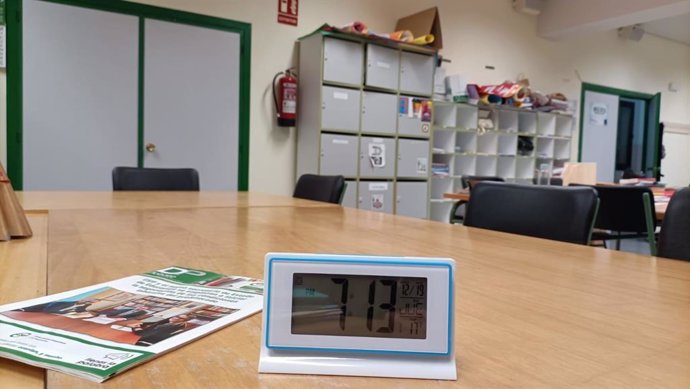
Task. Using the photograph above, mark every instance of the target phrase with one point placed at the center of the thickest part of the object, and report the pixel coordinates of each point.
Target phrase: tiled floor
(639, 246)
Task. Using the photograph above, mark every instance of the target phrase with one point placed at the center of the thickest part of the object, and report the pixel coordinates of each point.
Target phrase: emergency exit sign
(287, 12)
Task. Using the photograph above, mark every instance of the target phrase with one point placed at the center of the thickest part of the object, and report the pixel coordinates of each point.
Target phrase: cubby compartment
(546, 124)
(561, 149)
(545, 147)
(486, 165)
(524, 168)
(440, 210)
(526, 145)
(564, 125)
(467, 117)
(505, 167)
(508, 120)
(445, 115)
(441, 165)
(487, 143)
(444, 142)
(507, 144)
(527, 122)
(465, 165)
(466, 142)
(439, 186)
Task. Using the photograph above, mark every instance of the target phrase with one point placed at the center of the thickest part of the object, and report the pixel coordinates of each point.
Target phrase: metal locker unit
(416, 73)
(379, 112)
(338, 155)
(383, 66)
(414, 116)
(342, 61)
(413, 158)
(350, 196)
(351, 121)
(340, 109)
(411, 199)
(376, 196)
(376, 157)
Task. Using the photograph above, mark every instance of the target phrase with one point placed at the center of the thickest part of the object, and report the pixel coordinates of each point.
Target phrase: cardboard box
(422, 23)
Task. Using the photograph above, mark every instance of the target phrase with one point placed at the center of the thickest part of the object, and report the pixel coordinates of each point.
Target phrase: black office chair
(155, 179)
(550, 212)
(457, 212)
(329, 189)
(625, 212)
(675, 229)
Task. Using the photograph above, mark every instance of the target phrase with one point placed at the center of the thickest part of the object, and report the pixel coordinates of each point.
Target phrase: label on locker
(377, 154)
(384, 65)
(377, 202)
(340, 96)
(422, 164)
(378, 186)
(341, 142)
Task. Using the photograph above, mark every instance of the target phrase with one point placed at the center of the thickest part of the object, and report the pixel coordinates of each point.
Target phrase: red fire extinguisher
(286, 98)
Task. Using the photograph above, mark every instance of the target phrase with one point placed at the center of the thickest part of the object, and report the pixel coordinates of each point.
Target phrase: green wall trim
(140, 93)
(14, 93)
(14, 74)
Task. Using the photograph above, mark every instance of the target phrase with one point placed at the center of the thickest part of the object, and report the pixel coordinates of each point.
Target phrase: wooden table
(530, 313)
(464, 195)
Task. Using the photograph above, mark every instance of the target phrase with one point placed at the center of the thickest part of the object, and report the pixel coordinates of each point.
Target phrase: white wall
(476, 33)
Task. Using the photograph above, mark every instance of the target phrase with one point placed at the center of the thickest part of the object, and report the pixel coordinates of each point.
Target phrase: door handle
(150, 147)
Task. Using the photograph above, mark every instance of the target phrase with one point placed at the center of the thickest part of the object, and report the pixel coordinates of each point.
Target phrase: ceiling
(676, 28)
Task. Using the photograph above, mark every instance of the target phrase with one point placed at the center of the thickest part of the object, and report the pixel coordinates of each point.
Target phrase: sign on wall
(287, 12)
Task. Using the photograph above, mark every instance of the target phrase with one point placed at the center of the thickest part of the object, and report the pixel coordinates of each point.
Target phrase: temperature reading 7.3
(356, 305)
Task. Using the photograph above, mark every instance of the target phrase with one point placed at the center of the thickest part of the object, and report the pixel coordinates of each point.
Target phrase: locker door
(342, 61)
(379, 112)
(382, 67)
(350, 197)
(376, 196)
(416, 73)
(377, 157)
(413, 158)
(338, 155)
(414, 116)
(411, 198)
(340, 109)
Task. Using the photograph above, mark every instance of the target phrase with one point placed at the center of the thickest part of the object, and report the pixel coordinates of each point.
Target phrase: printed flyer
(101, 330)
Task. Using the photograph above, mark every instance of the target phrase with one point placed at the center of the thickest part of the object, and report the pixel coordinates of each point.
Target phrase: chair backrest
(674, 239)
(155, 179)
(469, 181)
(624, 208)
(329, 189)
(550, 212)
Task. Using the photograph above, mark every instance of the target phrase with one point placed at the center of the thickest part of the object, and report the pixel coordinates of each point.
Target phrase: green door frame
(14, 74)
(647, 98)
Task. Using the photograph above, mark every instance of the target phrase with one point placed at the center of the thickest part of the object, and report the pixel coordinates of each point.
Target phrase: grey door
(80, 70)
(376, 196)
(382, 67)
(350, 196)
(340, 109)
(599, 132)
(411, 199)
(376, 157)
(414, 116)
(200, 127)
(413, 158)
(342, 61)
(416, 73)
(379, 112)
(338, 155)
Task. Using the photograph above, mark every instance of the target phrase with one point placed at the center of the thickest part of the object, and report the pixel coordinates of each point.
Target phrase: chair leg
(618, 241)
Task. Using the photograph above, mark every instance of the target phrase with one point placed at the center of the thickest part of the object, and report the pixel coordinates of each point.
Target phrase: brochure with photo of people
(101, 330)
